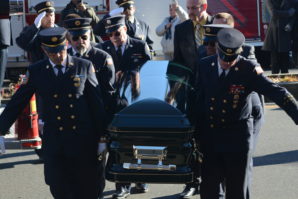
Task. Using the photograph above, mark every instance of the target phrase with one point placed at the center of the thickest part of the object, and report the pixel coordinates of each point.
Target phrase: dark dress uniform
(73, 117)
(225, 124)
(138, 29)
(28, 39)
(136, 53)
(5, 37)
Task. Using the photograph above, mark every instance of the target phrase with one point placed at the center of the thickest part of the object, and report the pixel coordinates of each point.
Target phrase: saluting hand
(38, 19)
(81, 7)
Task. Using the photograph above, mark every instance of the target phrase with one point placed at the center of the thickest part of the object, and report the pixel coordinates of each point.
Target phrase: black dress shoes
(188, 192)
(121, 193)
(141, 188)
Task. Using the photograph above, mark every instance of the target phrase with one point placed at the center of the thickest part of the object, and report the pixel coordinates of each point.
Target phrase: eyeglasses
(209, 43)
(116, 34)
(76, 38)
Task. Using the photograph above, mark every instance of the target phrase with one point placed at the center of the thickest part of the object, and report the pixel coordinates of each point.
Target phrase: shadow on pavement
(10, 165)
(276, 158)
(18, 154)
(168, 197)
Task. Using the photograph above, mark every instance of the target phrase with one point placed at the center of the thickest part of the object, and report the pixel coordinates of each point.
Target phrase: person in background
(28, 40)
(278, 36)
(74, 117)
(166, 29)
(135, 28)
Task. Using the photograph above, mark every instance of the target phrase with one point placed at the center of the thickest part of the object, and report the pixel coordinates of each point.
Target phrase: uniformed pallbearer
(225, 124)
(80, 30)
(80, 34)
(73, 117)
(128, 55)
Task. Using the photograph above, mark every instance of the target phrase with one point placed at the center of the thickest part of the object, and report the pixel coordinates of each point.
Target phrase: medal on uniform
(77, 81)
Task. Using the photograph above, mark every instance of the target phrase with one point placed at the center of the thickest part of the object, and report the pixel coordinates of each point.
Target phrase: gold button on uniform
(212, 99)
(70, 95)
(58, 118)
(211, 108)
(222, 120)
(71, 105)
(212, 125)
(74, 127)
(72, 117)
(57, 107)
(224, 111)
(55, 95)
(61, 128)
(211, 118)
(225, 101)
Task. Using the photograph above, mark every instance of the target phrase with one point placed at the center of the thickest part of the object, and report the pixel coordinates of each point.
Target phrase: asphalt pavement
(275, 172)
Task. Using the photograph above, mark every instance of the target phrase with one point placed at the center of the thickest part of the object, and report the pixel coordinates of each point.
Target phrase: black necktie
(119, 52)
(60, 73)
(222, 76)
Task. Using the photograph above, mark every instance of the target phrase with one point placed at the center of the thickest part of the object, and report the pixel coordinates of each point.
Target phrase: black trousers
(72, 178)
(231, 168)
(280, 62)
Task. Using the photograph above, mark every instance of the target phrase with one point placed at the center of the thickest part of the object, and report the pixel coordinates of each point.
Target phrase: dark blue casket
(150, 139)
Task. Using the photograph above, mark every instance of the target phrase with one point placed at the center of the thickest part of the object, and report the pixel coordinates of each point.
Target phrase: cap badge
(48, 4)
(54, 39)
(229, 50)
(108, 22)
(77, 23)
(208, 30)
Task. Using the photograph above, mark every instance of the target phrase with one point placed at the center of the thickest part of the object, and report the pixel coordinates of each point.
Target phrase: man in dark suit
(128, 55)
(225, 122)
(5, 38)
(28, 40)
(79, 35)
(187, 39)
(135, 28)
(74, 117)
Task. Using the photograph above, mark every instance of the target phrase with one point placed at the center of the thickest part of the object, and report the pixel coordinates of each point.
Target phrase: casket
(150, 140)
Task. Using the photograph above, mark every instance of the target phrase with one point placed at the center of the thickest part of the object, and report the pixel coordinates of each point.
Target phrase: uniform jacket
(104, 70)
(277, 39)
(72, 107)
(185, 49)
(168, 43)
(135, 55)
(225, 122)
(140, 30)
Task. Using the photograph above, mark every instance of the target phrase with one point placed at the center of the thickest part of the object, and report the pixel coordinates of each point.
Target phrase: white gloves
(102, 147)
(38, 19)
(2, 146)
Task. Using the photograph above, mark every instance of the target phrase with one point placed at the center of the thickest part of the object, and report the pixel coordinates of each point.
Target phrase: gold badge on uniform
(77, 23)
(229, 50)
(54, 39)
(109, 22)
(77, 81)
(208, 30)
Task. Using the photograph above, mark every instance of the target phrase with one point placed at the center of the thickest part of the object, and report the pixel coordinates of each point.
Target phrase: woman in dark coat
(278, 37)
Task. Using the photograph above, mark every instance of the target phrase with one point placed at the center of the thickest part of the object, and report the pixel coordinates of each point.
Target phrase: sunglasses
(116, 34)
(83, 37)
(210, 43)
